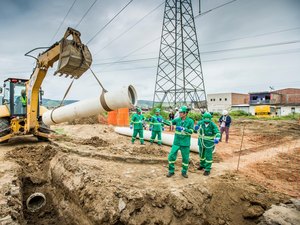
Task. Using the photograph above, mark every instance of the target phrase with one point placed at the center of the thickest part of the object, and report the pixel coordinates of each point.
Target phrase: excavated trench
(62, 188)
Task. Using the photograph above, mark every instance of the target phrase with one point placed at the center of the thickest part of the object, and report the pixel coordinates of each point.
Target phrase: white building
(219, 102)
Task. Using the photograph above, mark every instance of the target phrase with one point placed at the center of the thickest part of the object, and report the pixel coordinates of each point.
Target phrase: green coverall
(156, 127)
(137, 121)
(182, 142)
(206, 143)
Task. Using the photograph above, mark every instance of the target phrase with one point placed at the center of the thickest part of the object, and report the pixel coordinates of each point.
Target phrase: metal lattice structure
(179, 79)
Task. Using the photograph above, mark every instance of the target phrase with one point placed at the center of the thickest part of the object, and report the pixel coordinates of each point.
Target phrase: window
(220, 99)
(293, 110)
(225, 99)
(211, 100)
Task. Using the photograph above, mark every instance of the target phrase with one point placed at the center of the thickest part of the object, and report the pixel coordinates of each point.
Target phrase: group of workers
(208, 136)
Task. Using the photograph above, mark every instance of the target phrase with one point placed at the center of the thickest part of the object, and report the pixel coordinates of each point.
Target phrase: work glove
(130, 126)
(162, 128)
(180, 129)
(196, 127)
(216, 140)
(159, 120)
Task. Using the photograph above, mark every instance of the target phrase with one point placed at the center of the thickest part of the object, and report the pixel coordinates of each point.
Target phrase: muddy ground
(91, 175)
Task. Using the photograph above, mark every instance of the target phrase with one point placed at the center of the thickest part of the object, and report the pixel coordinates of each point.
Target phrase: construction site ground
(91, 175)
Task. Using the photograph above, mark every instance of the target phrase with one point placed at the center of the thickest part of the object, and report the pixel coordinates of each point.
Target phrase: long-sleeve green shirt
(137, 121)
(155, 124)
(208, 132)
(183, 138)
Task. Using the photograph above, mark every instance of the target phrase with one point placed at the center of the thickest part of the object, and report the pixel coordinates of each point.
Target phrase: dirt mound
(87, 120)
(95, 141)
(237, 201)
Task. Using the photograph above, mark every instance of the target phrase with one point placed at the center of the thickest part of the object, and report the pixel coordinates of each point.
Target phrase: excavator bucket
(75, 57)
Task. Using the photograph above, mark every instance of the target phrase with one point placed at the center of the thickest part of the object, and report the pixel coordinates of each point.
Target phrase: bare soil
(91, 175)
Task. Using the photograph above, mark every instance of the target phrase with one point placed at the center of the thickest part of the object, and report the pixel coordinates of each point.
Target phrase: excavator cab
(14, 97)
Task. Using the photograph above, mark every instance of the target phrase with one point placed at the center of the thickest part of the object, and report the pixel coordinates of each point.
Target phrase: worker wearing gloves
(137, 121)
(209, 135)
(182, 141)
(156, 126)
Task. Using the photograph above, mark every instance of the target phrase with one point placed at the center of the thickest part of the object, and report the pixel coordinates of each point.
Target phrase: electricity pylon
(179, 78)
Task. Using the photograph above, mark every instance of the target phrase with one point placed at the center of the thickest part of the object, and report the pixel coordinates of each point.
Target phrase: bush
(239, 113)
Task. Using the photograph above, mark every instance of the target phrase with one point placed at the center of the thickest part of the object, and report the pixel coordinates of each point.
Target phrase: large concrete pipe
(167, 139)
(125, 97)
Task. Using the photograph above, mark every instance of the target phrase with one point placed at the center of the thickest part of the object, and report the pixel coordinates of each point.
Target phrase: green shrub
(239, 113)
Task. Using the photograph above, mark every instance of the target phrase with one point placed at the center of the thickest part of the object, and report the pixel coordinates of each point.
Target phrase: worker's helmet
(157, 110)
(225, 112)
(23, 92)
(183, 109)
(138, 110)
(207, 117)
(176, 108)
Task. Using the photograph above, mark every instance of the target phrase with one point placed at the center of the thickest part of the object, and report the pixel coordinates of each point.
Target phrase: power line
(126, 31)
(252, 47)
(250, 36)
(86, 13)
(202, 53)
(201, 14)
(98, 32)
(210, 60)
(213, 60)
(62, 21)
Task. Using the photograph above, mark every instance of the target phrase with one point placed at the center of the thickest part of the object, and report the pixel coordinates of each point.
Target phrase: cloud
(31, 25)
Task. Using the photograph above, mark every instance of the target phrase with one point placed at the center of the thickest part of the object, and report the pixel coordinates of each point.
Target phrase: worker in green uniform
(209, 135)
(23, 97)
(182, 141)
(156, 126)
(137, 120)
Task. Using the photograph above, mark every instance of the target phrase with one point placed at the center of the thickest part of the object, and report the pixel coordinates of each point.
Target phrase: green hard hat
(183, 109)
(157, 110)
(206, 116)
(138, 110)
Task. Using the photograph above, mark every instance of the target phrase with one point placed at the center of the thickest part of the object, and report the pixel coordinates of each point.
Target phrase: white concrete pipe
(123, 98)
(167, 139)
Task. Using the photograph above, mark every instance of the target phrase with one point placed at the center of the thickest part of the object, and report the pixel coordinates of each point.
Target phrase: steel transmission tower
(179, 79)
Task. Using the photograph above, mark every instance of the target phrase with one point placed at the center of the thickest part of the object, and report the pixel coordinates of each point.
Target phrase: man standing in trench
(137, 121)
(209, 135)
(182, 142)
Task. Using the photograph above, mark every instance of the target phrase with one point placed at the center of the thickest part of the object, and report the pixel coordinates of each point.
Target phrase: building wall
(238, 99)
(219, 102)
(289, 96)
(286, 110)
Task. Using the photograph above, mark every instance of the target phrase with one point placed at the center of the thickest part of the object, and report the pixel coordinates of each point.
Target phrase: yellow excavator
(20, 110)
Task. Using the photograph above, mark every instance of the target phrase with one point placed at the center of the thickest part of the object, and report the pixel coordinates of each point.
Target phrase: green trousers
(141, 135)
(206, 148)
(185, 153)
(153, 136)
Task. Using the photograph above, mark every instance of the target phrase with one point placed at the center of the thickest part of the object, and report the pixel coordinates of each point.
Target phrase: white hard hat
(225, 112)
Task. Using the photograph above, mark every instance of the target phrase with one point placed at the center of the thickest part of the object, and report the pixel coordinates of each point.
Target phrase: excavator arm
(74, 59)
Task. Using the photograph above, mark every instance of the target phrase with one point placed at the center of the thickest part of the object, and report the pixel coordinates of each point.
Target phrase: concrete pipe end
(35, 202)
(132, 95)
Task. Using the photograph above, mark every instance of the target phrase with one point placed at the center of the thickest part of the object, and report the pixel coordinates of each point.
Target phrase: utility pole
(179, 78)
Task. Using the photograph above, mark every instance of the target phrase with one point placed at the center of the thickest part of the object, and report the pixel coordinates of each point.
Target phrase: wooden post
(237, 169)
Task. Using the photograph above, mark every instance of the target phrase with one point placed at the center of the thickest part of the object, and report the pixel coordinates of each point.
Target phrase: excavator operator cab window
(20, 99)
(15, 96)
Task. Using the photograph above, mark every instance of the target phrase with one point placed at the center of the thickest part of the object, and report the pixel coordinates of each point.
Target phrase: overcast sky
(27, 24)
